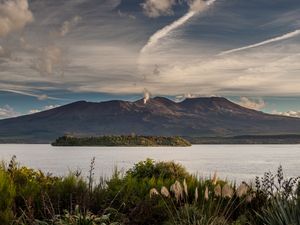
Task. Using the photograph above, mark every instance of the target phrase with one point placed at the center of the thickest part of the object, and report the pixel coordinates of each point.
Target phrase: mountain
(197, 117)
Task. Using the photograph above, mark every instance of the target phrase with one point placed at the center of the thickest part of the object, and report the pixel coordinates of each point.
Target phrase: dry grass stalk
(214, 179)
(185, 187)
(206, 197)
(196, 194)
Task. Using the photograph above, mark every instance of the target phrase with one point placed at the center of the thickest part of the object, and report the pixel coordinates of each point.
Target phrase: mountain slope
(160, 116)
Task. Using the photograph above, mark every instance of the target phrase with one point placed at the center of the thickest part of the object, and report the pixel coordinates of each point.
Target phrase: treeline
(247, 139)
(160, 193)
(123, 140)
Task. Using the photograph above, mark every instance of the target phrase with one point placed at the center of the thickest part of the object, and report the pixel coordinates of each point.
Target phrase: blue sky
(57, 52)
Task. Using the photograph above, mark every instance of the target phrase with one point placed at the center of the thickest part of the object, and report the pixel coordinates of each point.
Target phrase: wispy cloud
(67, 26)
(7, 112)
(156, 8)
(39, 97)
(276, 39)
(50, 60)
(256, 104)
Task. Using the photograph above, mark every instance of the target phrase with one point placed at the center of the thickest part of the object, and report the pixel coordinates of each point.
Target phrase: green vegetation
(129, 140)
(149, 193)
(247, 139)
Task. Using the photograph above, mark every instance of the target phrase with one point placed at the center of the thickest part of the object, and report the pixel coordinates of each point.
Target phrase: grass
(149, 193)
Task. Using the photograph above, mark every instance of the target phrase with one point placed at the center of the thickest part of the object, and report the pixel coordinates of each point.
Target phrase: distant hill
(197, 117)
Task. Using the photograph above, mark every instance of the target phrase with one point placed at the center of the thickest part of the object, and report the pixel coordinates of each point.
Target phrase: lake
(234, 162)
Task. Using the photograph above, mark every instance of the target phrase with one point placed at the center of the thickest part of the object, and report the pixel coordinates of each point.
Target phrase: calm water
(235, 162)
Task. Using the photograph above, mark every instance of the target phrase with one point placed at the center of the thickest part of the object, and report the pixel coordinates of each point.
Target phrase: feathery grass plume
(165, 192)
(185, 187)
(250, 197)
(196, 194)
(218, 190)
(153, 192)
(214, 179)
(176, 188)
(227, 191)
(242, 190)
(206, 197)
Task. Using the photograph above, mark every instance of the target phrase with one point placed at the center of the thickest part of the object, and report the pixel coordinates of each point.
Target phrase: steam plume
(281, 38)
(146, 96)
(196, 7)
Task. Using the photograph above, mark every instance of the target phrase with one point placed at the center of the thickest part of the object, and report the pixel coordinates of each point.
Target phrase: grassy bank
(149, 193)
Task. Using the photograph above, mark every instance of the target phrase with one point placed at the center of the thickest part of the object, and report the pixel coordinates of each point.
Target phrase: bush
(7, 195)
(165, 170)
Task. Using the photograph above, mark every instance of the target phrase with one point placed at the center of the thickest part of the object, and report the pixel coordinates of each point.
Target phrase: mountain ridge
(197, 117)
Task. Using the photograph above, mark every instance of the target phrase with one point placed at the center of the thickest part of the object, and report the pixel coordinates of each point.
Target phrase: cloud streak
(39, 97)
(195, 7)
(276, 39)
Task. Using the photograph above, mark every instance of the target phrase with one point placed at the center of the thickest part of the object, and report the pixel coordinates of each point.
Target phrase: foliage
(7, 195)
(150, 193)
(123, 140)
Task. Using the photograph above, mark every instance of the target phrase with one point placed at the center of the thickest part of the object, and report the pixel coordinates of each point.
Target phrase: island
(122, 140)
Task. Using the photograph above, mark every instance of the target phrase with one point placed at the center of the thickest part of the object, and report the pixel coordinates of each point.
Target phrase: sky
(56, 52)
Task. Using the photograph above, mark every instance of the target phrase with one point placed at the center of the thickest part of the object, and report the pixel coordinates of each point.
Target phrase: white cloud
(288, 113)
(256, 104)
(14, 15)
(156, 8)
(7, 112)
(48, 107)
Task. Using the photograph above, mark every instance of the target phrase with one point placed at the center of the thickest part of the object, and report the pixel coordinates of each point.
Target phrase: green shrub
(7, 195)
(165, 170)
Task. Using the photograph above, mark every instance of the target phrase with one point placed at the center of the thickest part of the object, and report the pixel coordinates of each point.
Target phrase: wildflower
(153, 192)
(242, 190)
(218, 190)
(196, 194)
(176, 188)
(227, 191)
(206, 193)
(215, 179)
(164, 191)
(185, 187)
